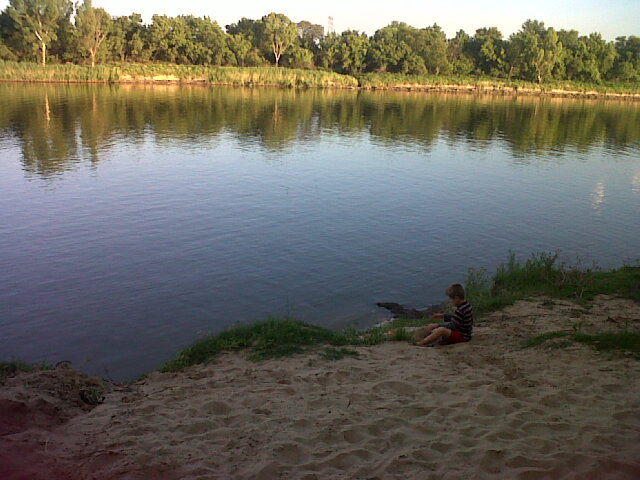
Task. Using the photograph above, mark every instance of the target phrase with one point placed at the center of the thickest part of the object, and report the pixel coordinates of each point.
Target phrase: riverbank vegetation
(540, 275)
(172, 73)
(544, 275)
(12, 367)
(43, 31)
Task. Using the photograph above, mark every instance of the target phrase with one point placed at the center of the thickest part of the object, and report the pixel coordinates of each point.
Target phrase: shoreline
(508, 91)
(172, 74)
(465, 89)
(391, 412)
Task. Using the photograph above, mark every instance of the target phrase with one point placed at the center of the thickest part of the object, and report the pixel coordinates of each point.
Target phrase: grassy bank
(469, 83)
(277, 337)
(540, 275)
(10, 368)
(627, 342)
(287, 77)
(170, 73)
(543, 274)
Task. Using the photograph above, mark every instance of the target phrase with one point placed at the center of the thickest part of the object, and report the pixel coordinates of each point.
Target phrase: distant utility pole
(330, 25)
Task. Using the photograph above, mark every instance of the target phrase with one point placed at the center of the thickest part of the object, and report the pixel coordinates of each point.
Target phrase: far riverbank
(296, 78)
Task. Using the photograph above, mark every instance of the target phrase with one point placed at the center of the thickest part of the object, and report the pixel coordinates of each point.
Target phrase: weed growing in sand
(280, 338)
(333, 353)
(8, 369)
(544, 274)
(545, 337)
(402, 335)
(622, 342)
(268, 339)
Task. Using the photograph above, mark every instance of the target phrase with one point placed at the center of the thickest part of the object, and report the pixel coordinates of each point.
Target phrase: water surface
(135, 219)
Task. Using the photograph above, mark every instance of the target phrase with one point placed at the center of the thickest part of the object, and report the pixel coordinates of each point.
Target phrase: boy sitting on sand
(456, 328)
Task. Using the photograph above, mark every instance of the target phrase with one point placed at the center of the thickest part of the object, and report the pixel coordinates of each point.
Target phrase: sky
(611, 18)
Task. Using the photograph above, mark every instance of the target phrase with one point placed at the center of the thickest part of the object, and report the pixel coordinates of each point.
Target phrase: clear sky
(611, 18)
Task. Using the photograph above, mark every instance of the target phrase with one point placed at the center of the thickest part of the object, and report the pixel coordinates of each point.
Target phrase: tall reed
(163, 73)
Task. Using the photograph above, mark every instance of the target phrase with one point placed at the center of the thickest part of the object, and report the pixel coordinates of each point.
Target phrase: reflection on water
(59, 126)
(635, 183)
(134, 219)
(598, 196)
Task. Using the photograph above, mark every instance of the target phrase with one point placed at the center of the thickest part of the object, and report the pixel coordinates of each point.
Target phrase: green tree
(310, 35)
(627, 66)
(206, 43)
(5, 52)
(388, 48)
(351, 52)
(399, 47)
(535, 51)
(586, 58)
(127, 39)
(430, 44)
(278, 34)
(488, 51)
(240, 47)
(188, 40)
(327, 56)
(250, 29)
(457, 46)
(8, 37)
(298, 57)
(92, 26)
(38, 21)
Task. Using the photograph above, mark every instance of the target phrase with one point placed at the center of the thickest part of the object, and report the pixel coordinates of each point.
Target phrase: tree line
(59, 31)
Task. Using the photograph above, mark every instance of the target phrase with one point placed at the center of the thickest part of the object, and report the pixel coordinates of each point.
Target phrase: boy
(457, 328)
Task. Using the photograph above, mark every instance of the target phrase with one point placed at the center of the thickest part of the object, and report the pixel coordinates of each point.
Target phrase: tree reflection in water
(59, 126)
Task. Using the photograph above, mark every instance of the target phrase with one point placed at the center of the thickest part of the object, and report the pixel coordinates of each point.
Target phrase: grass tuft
(268, 339)
(10, 368)
(616, 342)
(276, 338)
(333, 353)
(544, 274)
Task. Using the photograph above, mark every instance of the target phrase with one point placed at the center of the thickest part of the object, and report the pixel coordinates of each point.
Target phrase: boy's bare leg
(421, 333)
(434, 335)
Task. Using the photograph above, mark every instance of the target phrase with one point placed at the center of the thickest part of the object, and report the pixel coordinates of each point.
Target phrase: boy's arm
(450, 321)
(443, 316)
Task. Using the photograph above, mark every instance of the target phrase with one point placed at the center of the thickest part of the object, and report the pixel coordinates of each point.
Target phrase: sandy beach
(488, 409)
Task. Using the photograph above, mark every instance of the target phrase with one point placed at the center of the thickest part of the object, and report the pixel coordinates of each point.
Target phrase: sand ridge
(486, 409)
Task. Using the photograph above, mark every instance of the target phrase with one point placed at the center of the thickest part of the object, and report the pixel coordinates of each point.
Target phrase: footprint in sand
(290, 454)
(355, 434)
(216, 407)
(490, 410)
(399, 388)
(492, 460)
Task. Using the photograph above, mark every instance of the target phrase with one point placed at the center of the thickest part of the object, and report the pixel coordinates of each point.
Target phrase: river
(135, 219)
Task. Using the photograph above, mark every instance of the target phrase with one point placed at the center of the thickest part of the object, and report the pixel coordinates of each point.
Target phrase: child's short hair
(455, 290)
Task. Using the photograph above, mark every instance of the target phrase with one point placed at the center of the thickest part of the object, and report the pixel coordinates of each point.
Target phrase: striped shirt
(461, 320)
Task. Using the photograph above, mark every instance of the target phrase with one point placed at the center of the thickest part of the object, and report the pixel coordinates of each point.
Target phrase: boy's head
(455, 292)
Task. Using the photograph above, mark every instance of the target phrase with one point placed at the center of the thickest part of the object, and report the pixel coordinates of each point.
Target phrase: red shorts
(455, 337)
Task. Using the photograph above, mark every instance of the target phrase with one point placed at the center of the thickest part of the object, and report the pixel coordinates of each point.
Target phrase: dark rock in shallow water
(407, 312)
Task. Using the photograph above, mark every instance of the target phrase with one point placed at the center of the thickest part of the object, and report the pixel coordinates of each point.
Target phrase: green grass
(160, 72)
(425, 82)
(615, 342)
(544, 274)
(333, 353)
(284, 77)
(276, 338)
(10, 368)
(540, 274)
(268, 339)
